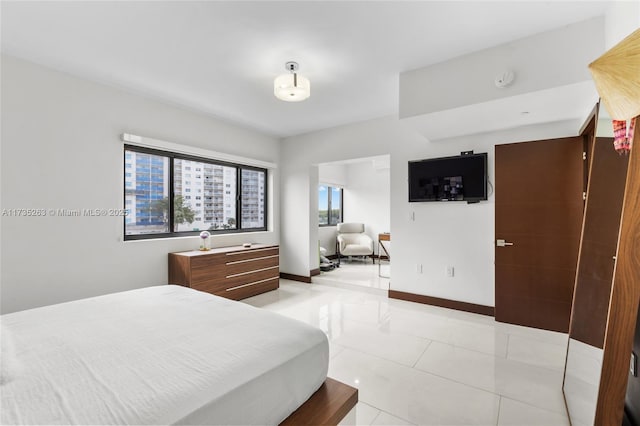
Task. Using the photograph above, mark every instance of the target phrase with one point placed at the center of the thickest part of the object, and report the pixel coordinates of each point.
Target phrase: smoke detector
(505, 79)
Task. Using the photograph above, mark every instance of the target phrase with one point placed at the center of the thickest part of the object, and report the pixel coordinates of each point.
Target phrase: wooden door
(538, 207)
(625, 297)
(599, 243)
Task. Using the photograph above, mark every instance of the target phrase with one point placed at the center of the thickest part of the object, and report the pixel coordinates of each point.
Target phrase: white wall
(327, 238)
(442, 234)
(550, 59)
(367, 197)
(333, 174)
(295, 216)
(61, 149)
(621, 19)
(314, 176)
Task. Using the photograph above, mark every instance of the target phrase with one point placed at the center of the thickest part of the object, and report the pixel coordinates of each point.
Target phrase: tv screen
(459, 178)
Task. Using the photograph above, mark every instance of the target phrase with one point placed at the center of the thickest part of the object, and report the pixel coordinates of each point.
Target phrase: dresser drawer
(241, 266)
(208, 260)
(205, 268)
(249, 277)
(210, 286)
(251, 253)
(250, 289)
(207, 274)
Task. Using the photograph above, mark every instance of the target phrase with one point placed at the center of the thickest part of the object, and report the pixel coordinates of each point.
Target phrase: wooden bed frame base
(327, 406)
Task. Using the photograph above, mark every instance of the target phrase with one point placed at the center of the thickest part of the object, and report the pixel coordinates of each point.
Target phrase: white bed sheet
(160, 355)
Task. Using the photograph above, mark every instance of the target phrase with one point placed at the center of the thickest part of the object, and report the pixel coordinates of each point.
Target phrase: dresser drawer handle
(235, 253)
(253, 283)
(251, 260)
(251, 272)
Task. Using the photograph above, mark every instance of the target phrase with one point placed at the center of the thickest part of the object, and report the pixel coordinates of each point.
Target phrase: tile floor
(419, 364)
(357, 273)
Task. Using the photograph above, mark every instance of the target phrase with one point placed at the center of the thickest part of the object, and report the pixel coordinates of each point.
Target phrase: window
(323, 205)
(235, 195)
(329, 205)
(146, 188)
(252, 188)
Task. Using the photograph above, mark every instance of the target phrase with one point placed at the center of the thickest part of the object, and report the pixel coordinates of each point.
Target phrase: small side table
(381, 238)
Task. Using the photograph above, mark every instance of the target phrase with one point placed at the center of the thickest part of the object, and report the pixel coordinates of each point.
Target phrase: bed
(157, 355)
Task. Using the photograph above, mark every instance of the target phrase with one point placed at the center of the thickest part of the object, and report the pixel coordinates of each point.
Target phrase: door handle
(503, 243)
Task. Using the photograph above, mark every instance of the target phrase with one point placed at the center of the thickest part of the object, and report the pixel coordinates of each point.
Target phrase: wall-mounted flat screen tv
(459, 178)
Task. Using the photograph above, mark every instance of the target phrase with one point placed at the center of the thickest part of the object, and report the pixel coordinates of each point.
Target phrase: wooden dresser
(232, 272)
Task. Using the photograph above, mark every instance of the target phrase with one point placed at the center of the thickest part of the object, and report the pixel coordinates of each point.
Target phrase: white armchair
(352, 241)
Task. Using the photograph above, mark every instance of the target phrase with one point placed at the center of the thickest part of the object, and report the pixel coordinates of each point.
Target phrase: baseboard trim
(294, 277)
(443, 303)
(314, 272)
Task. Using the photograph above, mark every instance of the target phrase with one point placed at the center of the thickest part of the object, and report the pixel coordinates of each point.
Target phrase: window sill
(193, 237)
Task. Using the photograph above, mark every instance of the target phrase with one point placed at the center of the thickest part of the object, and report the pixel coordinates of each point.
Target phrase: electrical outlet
(419, 268)
(450, 271)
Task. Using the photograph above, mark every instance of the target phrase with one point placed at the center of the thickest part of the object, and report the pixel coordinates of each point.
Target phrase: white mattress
(160, 355)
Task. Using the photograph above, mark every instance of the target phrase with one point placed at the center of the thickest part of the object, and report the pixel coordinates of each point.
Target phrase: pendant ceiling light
(291, 87)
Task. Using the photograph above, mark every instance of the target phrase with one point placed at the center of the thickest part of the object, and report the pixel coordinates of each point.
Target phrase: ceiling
(567, 106)
(220, 58)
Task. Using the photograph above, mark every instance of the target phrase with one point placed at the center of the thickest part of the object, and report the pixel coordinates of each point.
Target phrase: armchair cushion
(350, 228)
(352, 241)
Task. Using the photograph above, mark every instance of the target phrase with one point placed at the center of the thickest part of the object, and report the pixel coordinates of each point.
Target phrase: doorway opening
(356, 191)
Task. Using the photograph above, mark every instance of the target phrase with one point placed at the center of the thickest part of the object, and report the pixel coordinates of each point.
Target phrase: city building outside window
(329, 205)
(235, 195)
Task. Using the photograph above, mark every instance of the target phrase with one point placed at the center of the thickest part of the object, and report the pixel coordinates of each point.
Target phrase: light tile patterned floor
(419, 364)
(357, 273)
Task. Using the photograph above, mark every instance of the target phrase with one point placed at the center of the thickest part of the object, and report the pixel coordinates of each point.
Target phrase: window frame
(171, 155)
(329, 198)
